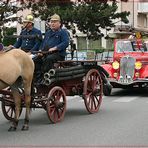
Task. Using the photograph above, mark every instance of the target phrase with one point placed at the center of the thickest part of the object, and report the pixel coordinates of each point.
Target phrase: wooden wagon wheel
(56, 104)
(92, 91)
(8, 110)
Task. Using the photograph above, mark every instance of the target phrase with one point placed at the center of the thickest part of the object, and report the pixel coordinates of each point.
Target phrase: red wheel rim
(92, 92)
(56, 104)
(8, 110)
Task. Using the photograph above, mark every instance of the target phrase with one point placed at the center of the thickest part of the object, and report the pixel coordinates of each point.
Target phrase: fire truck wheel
(107, 88)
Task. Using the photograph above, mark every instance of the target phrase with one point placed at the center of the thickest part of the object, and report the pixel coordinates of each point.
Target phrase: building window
(145, 22)
(83, 44)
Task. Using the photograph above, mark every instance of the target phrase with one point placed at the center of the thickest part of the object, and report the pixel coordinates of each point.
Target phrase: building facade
(138, 20)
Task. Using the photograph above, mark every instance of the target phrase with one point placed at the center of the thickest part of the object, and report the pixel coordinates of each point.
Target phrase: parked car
(129, 66)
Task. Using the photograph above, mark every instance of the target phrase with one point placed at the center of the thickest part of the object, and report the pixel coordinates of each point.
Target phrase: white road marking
(72, 97)
(76, 97)
(126, 99)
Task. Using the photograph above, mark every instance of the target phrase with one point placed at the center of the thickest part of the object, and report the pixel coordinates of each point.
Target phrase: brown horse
(16, 64)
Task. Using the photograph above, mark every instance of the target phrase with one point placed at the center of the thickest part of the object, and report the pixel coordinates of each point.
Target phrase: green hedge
(9, 41)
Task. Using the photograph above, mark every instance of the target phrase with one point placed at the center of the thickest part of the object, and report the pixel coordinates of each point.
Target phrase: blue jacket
(59, 39)
(29, 43)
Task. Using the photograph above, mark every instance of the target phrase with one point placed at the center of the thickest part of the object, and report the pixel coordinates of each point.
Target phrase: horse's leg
(27, 91)
(26, 120)
(17, 100)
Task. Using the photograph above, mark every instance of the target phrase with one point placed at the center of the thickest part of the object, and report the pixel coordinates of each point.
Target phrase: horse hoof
(11, 129)
(25, 128)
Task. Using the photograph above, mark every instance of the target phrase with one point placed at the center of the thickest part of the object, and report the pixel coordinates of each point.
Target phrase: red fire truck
(129, 66)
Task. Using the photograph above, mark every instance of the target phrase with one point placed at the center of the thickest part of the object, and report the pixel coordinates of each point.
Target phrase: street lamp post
(133, 14)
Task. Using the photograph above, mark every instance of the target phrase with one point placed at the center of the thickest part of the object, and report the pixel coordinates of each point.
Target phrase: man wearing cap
(56, 41)
(30, 37)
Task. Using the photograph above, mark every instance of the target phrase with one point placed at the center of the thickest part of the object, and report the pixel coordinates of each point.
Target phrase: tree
(10, 7)
(10, 41)
(7, 9)
(89, 15)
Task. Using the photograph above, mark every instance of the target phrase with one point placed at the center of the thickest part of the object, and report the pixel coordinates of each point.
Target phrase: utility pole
(133, 14)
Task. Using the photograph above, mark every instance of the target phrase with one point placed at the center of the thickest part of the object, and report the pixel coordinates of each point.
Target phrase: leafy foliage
(9, 41)
(89, 15)
(7, 9)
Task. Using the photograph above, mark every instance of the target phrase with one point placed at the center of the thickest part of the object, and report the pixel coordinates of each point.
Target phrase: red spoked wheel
(56, 104)
(8, 110)
(92, 91)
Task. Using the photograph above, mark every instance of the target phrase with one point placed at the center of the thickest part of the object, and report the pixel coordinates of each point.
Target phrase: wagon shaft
(5, 92)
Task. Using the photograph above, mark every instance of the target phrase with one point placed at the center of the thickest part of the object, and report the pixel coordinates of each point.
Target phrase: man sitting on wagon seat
(30, 37)
(55, 42)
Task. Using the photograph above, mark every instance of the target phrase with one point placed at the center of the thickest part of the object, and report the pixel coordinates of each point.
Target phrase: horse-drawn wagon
(83, 78)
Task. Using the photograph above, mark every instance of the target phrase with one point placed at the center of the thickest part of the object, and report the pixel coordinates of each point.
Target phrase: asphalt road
(122, 121)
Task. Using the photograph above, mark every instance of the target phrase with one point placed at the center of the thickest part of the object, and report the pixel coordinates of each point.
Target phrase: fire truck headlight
(115, 75)
(138, 65)
(115, 65)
